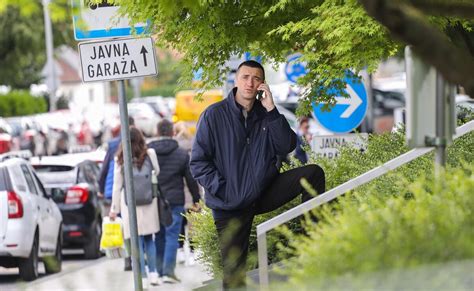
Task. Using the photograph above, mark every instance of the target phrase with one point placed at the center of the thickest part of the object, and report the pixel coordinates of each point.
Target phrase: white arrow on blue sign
(294, 69)
(348, 113)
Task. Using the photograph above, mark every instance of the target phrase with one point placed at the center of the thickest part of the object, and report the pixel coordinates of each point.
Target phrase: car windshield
(56, 174)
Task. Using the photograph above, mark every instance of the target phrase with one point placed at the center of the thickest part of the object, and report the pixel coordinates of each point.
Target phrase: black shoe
(128, 264)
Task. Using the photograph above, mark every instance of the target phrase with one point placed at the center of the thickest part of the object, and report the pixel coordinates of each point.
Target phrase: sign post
(129, 190)
(431, 117)
(116, 59)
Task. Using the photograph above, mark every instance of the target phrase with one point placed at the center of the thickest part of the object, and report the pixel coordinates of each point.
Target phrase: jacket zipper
(245, 114)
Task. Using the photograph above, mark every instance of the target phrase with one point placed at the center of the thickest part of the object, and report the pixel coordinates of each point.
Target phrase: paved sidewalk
(108, 274)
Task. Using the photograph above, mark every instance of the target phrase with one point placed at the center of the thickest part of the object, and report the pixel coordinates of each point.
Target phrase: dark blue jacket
(235, 160)
(300, 154)
(174, 168)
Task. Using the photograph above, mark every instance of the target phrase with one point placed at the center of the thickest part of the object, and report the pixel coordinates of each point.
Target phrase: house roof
(67, 59)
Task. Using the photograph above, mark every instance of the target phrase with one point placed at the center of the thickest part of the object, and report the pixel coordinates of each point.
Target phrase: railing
(276, 221)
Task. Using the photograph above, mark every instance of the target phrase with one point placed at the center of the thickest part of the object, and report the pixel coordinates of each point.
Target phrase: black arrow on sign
(144, 52)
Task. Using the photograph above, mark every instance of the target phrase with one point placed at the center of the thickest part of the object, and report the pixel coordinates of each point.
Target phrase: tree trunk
(408, 24)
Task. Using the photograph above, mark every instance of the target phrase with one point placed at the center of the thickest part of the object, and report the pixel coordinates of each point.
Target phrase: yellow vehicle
(188, 109)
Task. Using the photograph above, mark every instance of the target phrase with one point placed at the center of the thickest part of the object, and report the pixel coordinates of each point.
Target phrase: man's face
(304, 127)
(247, 81)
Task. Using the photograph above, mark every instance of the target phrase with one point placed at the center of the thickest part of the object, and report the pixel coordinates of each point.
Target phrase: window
(89, 174)
(29, 179)
(40, 185)
(16, 176)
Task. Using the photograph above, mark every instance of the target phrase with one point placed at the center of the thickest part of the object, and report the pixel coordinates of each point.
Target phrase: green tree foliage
(19, 103)
(22, 41)
(169, 71)
(333, 36)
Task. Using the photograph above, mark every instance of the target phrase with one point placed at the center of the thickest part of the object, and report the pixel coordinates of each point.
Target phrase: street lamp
(50, 69)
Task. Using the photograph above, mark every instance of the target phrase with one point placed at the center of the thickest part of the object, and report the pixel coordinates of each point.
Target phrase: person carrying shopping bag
(143, 161)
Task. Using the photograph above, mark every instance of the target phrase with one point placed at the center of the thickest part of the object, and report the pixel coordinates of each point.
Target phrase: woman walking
(147, 215)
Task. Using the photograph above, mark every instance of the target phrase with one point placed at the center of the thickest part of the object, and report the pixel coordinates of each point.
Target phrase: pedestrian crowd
(163, 157)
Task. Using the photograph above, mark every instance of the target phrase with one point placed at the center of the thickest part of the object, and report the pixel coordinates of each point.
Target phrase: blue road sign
(248, 56)
(197, 75)
(348, 113)
(294, 69)
(101, 21)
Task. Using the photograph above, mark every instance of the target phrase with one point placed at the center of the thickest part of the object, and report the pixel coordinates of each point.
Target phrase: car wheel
(29, 266)
(53, 264)
(92, 248)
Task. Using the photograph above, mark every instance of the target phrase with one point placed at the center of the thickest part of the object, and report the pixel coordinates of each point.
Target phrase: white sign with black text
(117, 59)
(328, 146)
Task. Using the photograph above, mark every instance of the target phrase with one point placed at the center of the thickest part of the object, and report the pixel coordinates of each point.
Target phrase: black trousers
(234, 229)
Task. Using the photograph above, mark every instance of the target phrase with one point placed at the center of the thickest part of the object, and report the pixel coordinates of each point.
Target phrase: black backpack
(142, 183)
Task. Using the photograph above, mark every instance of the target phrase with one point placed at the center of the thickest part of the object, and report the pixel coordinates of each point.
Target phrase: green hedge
(19, 103)
(350, 163)
(374, 232)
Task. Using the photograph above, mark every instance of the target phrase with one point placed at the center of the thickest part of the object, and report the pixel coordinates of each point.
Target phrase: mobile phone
(259, 94)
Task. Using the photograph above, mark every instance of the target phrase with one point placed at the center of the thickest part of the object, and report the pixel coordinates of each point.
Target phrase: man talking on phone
(234, 157)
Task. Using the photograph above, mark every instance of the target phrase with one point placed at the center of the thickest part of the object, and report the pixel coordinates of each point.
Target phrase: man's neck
(246, 104)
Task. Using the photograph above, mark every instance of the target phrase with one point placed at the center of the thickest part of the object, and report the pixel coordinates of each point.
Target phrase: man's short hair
(252, 64)
(131, 121)
(165, 128)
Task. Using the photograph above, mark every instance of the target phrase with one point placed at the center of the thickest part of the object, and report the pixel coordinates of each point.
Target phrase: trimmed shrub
(375, 232)
(19, 103)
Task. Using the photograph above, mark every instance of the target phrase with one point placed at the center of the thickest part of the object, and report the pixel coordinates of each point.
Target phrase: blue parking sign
(348, 113)
(294, 68)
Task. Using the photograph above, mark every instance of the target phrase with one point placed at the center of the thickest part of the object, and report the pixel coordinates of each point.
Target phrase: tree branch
(407, 24)
(445, 8)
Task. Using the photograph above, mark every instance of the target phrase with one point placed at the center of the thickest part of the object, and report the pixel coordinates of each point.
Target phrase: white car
(145, 118)
(30, 221)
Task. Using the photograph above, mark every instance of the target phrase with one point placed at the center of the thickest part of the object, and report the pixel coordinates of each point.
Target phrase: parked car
(5, 137)
(73, 182)
(157, 103)
(25, 130)
(30, 222)
(145, 117)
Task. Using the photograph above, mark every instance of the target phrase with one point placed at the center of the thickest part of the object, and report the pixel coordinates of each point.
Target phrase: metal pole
(51, 75)
(262, 261)
(440, 154)
(129, 191)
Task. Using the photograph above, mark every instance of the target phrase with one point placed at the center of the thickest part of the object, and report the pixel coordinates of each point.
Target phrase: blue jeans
(146, 245)
(167, 243)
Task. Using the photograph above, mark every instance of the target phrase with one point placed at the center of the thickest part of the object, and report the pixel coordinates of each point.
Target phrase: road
(72, 261)
(102, 274)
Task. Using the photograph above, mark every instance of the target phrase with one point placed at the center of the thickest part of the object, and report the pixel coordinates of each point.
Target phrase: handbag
(164, 209)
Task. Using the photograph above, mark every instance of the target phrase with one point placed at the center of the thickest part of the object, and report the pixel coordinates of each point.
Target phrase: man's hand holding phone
(266, 98)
